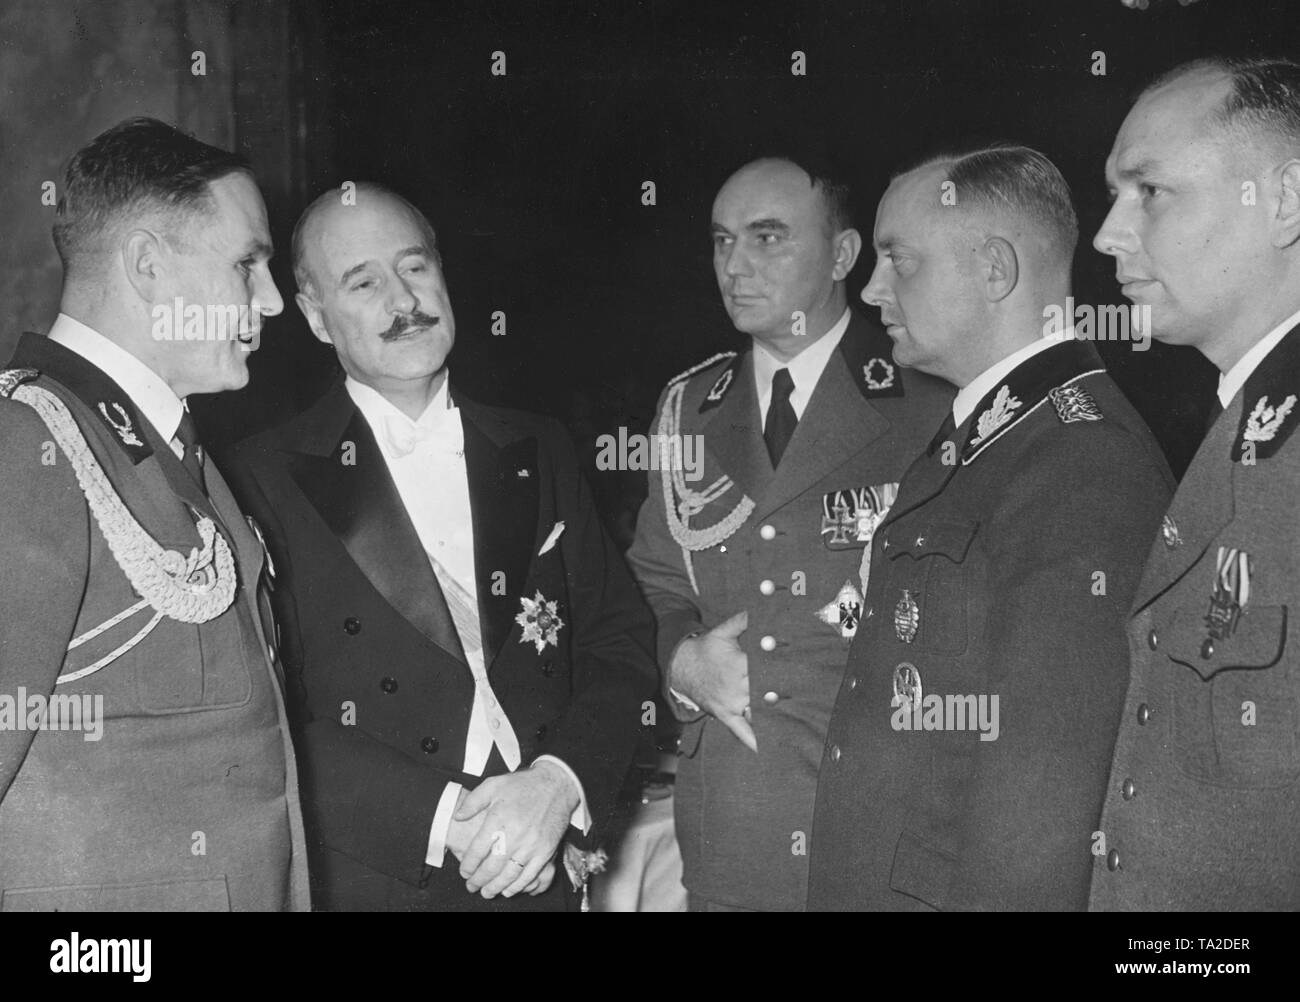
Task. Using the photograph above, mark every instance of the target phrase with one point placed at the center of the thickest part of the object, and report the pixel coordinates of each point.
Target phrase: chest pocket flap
(1257, 641)
(921, 537)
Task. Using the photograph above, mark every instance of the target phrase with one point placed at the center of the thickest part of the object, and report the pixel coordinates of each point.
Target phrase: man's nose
(737, 262)
(877, 292)
(404, 299)
(266, 297)
(1116, 235)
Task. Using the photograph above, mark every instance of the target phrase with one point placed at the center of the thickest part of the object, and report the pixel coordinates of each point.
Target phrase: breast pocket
(183, 668)
(1236, 714)
(931, 603)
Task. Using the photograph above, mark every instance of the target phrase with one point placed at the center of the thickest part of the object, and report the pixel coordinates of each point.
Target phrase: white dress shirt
(805, 368)
(969, 396)
(426, 459)
(150, 393)
(1235, 378)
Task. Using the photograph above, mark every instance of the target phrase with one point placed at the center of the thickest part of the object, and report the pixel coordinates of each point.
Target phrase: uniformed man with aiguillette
(756, 571)
(130, 574)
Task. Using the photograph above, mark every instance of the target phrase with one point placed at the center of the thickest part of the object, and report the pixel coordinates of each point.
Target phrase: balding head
(371, 284)
(779, 255)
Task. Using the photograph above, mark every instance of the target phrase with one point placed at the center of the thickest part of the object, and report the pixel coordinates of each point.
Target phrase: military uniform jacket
(383, 711)
(1004, 570)
(795, 563)
(1203, 806)
(189, 798)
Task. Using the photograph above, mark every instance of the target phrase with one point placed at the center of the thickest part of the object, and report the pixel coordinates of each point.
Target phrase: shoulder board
(1269, 408)
(11, 379)
(1050, 376)
(720, 356)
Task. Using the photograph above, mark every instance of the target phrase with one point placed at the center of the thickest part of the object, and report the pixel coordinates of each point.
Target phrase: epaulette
(11, 379)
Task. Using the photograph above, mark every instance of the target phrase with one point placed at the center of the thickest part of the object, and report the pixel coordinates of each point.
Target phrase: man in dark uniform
(129, 571)
(756, 570)
(966, 754)
(471, 652)
(1203, 806)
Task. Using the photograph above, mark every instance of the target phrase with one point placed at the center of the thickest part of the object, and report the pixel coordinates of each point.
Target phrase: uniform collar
(806, 367)
(963, 405)
(156, 402)
(1235, 378)
(1270, 399)
(1048, 373)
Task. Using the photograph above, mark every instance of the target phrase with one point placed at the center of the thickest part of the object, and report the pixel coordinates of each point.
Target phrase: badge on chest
(850, 516)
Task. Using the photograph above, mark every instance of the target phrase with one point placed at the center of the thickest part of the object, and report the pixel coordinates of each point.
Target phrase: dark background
(533, 180)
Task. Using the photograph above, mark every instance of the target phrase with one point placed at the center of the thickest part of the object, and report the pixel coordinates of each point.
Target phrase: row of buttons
(1128, 789)
(352, 626)
(768, 587)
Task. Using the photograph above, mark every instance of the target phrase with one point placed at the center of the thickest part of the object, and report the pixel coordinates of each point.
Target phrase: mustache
(404, 322)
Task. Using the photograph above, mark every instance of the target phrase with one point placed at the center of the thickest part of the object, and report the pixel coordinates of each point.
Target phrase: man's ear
(312, 311)
(1286, 222)
(999, 267)
(144, 263)
(848, 245)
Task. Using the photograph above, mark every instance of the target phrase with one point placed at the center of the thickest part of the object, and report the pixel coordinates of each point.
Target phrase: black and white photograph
(650, 456)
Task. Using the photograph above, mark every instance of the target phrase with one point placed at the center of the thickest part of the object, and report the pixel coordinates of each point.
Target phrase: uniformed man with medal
(968, 740)
(756, 572)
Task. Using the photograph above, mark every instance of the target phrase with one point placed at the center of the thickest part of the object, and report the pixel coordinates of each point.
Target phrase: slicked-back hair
(1015, 178)
(139, 167)
(824, 176)
(1263, 101)
(302, 274)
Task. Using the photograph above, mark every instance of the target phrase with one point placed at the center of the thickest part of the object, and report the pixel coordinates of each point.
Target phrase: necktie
(464, 614)
(944, 434)
(781, 419)
(192, 458)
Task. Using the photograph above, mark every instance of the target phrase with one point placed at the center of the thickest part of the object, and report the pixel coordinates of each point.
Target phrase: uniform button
(767, 532)
(1112, 860)
(352, 626)
(885, 544)
(496, 723)
(868, 612)
(768, 643)
(770, 697)
(429, 745)
(1153, 641)
(920, 541)
(548, 669)
(492, 701)
(766, 587)
(722, 548)
(270, 653)
(853, 683)
(1207, 649)
(1144, 713)
(1128, 790)
(835, 753)
(389, 685)
(540, 734)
